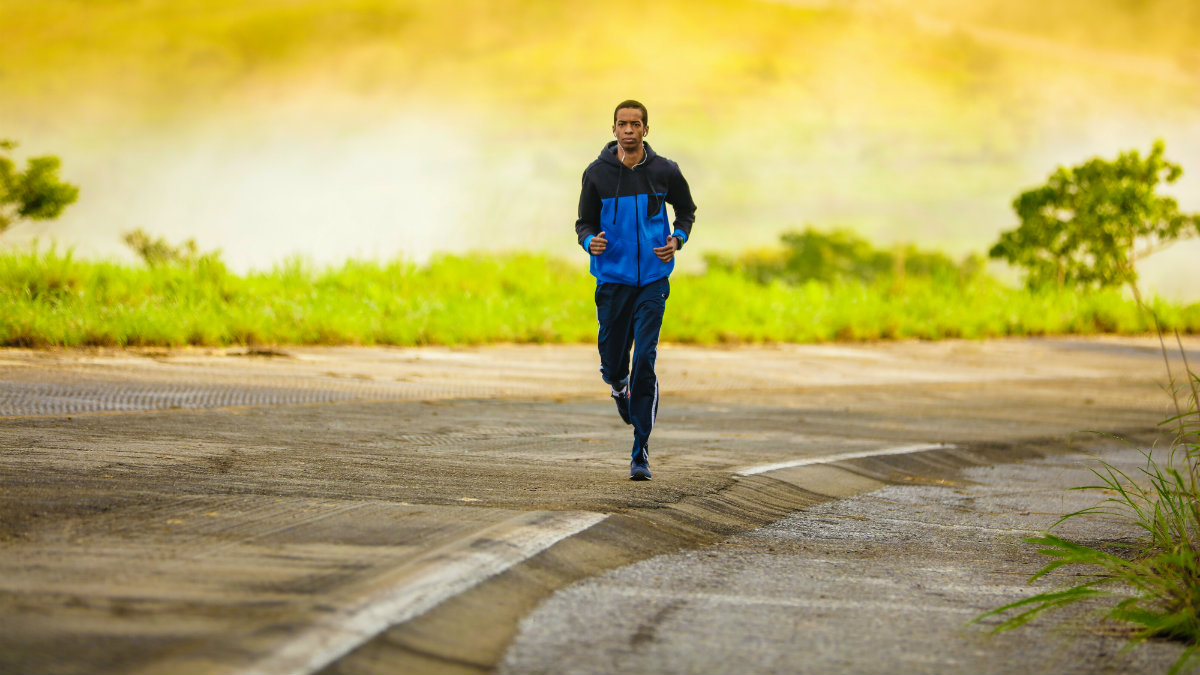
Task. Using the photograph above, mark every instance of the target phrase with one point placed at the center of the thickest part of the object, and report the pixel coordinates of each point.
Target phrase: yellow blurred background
(372, 128)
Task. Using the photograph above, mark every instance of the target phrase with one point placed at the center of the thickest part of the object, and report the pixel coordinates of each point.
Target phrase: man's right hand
(597, 245)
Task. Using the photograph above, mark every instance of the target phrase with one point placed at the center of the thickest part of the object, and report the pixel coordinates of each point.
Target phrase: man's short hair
(632, 104)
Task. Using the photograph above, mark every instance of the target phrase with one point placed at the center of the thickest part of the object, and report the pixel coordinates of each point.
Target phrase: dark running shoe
(622, 399)
(639, 468)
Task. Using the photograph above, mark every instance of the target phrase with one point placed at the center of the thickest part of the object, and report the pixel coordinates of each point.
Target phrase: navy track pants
(631, 316)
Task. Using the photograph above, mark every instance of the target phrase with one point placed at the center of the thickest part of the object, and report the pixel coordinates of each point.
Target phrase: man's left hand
(667, 253)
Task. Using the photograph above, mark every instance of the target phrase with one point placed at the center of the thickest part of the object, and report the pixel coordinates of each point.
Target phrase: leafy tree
(1091, 224)
(35, 194)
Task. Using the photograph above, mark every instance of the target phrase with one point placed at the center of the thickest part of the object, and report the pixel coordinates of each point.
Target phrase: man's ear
(645, 132)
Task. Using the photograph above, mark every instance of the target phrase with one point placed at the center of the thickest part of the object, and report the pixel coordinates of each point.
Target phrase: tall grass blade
(1157, 586)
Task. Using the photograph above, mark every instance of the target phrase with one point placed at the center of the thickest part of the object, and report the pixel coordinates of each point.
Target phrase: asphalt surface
(403, 510)
(883, 582)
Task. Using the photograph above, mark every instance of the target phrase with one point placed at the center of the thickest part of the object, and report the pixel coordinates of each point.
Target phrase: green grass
(53, 299)
(50, 298)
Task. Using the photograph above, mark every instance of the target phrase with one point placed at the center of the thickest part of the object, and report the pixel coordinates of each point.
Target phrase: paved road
(883, 582)
(359, 510)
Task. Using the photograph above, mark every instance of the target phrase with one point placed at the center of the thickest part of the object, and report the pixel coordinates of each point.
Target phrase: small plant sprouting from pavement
(1156, 588)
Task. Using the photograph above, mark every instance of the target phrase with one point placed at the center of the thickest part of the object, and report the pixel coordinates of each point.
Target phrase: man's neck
(631, 159)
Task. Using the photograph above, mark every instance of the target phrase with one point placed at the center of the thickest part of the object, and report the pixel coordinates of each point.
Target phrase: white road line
(435, 577)
(829, 459)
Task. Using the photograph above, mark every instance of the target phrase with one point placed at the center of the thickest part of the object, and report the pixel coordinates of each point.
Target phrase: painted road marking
(829, 459)
(436, 576)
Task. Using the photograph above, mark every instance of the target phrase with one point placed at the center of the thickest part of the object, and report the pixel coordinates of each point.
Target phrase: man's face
(629, 128)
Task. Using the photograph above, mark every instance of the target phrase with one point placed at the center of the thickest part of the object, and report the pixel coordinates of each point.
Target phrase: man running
(623, 225)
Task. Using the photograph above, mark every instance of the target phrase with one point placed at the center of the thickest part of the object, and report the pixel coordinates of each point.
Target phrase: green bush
(842, 256)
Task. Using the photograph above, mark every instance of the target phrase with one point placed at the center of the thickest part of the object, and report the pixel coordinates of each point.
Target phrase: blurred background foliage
(372, 128)
(52, 298)
(841, 256)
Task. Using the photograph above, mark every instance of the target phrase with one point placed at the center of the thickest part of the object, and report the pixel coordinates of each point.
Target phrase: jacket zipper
(638, 234)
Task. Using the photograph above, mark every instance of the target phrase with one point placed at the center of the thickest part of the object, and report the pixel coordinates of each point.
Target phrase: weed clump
(1155, 586)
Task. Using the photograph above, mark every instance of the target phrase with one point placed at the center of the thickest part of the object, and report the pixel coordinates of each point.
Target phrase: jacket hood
(609, 154)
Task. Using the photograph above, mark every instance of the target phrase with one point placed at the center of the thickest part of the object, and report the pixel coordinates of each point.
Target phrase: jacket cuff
(587, 243)
(682, 237)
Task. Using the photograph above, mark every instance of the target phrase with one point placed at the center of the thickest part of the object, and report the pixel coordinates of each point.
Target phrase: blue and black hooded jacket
(629, 206)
